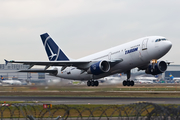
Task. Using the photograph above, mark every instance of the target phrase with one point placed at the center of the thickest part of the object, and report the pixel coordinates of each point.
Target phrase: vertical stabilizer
(171, 76)
(2, 78)
(54, 53)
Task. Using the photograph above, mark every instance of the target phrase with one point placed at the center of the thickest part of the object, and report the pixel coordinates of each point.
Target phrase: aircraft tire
(96, 83)
(128, 83)
(124, 83)
(92, 83)
(132, 83)
(88, 83)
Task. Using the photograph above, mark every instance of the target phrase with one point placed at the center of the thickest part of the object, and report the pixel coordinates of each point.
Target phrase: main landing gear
(92, 83)
(128, 82)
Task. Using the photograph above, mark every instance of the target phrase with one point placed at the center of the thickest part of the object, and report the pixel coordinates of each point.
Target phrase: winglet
(6, 62)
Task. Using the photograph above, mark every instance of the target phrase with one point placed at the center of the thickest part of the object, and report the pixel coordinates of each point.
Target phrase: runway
(93, 100)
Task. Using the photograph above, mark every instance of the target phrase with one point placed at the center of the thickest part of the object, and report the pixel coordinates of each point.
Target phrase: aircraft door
(144, 44)
(144, 52)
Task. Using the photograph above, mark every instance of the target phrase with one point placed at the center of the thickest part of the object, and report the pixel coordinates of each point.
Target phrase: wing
(169, 62)
(82, 65)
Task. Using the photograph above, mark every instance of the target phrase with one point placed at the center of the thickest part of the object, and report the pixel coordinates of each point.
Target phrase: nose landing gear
(92, 83)
(128, 83)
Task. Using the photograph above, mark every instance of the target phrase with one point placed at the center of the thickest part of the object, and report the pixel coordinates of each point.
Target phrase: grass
(91, 94)
(101, 91)
(151, 87)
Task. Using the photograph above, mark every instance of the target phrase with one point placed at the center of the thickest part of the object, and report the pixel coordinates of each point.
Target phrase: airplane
(112, 80)
(146, 78)
(145, 81)
(53, 81)
(10, 82)
(173, 78)
(142, 78)
(142, 53)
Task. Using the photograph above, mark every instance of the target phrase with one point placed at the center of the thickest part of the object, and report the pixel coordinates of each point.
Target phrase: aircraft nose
(168, 45)
(165, 46)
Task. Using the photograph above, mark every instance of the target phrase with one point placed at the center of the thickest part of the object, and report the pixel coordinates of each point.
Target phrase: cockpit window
(158, 40)
(163, 39)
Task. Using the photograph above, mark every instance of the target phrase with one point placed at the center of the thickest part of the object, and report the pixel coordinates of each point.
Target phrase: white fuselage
(11, 82)
(145, 78)
(145, 81)
(134, 54)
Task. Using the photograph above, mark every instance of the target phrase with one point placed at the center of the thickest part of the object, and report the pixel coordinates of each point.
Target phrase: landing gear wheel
(128, 83)
(88, 83)
(124, 83)
(92, 83)
(96, 83)
(132, 83)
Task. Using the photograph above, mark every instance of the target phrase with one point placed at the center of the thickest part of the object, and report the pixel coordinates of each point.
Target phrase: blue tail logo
(54, 53)
(171, 76)
(2, 78)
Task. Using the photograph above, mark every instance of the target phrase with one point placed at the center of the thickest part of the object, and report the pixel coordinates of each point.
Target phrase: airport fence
(135, 111)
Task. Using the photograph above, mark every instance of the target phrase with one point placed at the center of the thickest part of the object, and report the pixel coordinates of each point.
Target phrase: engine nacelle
(99, 68)
(157, 68)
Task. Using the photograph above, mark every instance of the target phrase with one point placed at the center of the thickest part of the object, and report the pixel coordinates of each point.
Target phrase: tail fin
(171, 76)
(54, 53)
(2, 77)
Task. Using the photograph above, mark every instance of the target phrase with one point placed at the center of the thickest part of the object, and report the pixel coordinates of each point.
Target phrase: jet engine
(156, 68)
(99, 68)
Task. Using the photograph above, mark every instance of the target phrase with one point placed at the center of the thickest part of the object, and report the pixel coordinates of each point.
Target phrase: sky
(83, 27)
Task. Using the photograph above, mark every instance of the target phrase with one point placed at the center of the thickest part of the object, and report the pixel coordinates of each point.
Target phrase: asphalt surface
(93, 100)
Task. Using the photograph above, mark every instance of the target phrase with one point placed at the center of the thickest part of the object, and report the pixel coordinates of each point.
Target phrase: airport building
(13, 67)
(10, 71)
(174, 70)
